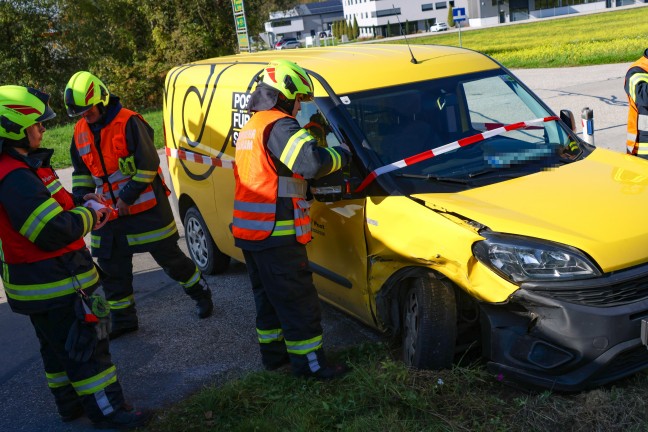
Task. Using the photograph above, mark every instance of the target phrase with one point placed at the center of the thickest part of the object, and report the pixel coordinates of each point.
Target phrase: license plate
(644, 332)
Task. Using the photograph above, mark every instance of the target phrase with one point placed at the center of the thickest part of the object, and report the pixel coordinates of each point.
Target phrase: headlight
(522, 259)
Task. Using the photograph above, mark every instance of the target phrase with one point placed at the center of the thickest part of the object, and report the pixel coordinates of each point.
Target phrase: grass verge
(601, 38)
(380, 394)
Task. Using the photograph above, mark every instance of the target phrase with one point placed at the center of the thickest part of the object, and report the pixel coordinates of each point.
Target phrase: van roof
(358, 67)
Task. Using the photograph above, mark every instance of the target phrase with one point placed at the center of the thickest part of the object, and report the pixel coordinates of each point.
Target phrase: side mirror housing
(568, 118)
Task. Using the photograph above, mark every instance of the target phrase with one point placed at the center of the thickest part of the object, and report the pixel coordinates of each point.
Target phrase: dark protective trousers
(118, 278)
(285, 298)
(52, 329)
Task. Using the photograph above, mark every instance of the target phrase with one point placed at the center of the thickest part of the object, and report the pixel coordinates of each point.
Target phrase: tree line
(129, 44)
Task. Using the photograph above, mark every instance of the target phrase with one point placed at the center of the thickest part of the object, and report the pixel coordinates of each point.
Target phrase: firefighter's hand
(93, 196)
(122, 207)
(102, 217)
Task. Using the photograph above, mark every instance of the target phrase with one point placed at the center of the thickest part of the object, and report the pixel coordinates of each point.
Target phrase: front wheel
(429, 324)
(203, 250)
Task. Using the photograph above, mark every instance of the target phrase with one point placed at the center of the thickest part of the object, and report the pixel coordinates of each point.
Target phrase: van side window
(311, 118)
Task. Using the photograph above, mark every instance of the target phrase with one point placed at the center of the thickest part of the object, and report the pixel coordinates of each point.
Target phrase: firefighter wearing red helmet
(113, 155)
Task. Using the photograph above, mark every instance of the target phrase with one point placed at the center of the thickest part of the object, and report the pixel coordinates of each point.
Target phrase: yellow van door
(338, 255)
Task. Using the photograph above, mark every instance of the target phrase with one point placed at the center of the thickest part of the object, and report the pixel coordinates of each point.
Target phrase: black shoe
(204, 306)
(123, 419)
(122, 330)
(278, 364)
(326, 373)
(201, 293)
(73, 414)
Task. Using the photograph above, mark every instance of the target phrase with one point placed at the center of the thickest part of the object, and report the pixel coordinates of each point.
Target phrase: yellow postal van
(471, 215)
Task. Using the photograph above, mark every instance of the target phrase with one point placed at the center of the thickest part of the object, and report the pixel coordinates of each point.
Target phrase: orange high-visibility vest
(113, 147)
(258, 186)
(637, 138)
(16, 248)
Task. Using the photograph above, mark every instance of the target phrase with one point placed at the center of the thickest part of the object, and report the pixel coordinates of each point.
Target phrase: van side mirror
(568, 118)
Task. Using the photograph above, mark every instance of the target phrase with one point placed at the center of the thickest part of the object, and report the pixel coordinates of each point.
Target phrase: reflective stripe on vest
(16, 248)
(637, 135)
(258, 186)
(113, 147)
(51, 290)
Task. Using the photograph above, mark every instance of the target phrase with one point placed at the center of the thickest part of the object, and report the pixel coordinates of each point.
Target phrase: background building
(306, 20)
(373, 16)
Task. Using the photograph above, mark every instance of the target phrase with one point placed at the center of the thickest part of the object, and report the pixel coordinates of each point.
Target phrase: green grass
(380, 394)
(601, 38)
(59, 138)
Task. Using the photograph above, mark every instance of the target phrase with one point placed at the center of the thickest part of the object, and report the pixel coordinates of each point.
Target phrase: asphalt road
(174, 354)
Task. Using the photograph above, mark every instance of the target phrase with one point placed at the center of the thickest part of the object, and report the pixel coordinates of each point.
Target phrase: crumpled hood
(598, 205)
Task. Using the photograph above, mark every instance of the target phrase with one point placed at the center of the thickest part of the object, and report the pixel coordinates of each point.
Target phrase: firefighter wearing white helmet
(48, 273)
(114, 156)
(275, 157)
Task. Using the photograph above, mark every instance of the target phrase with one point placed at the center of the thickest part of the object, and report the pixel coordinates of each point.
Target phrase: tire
(201, 246)
(429, 324)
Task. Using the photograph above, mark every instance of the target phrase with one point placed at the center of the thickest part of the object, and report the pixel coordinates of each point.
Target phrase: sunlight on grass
(610, 37)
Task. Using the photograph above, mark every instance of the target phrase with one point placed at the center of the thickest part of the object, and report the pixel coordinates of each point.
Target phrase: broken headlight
(522, 259)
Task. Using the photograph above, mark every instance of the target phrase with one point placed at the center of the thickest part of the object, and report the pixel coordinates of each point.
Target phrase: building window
(427, 7)
(441, 5)
(385, 12)
(283, 23)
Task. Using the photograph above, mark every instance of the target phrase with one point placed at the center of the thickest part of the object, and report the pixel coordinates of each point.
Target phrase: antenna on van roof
(406, 41)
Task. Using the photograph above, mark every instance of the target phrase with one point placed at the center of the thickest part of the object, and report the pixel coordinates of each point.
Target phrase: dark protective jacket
(285, 151)
(44, 255)
(141, 182)
(636, 87)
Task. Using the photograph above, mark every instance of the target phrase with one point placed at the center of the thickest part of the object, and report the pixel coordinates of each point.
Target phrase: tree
(356, 29)
(388, 30)
(451, 22)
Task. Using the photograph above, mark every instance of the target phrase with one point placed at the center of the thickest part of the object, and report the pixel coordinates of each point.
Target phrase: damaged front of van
(475, 180)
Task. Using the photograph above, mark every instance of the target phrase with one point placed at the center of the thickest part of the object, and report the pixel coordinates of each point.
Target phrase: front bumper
(569, 336)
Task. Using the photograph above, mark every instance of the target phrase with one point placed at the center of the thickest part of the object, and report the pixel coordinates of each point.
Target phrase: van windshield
(399, 122)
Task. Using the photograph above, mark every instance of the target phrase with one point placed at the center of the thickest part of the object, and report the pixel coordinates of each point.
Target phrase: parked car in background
(440, 26)
(289, 43)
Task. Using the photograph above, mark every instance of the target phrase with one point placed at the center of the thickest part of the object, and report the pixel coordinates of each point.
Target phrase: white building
(303, 20)
(374, 16)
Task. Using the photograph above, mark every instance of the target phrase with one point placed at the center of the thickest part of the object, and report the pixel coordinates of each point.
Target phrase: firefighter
(48, 273)
(113, 155)
(274, 158)
(636, 87)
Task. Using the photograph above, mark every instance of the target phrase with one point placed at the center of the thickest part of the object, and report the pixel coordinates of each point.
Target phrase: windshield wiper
(433, 177)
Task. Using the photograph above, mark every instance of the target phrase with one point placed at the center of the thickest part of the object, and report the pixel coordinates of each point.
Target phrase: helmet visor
(73, 109)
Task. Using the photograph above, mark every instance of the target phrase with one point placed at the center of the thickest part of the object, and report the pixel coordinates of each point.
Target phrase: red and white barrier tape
(448, 147)
(198, 158)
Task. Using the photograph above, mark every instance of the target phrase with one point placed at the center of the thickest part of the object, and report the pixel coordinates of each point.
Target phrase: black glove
(82, 338)
(81, 341)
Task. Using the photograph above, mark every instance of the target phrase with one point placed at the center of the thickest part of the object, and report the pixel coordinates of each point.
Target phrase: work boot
(314, 365)
(123, 321)
(274, 355)
(201, 293)
(68, 403)
(123, 419)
